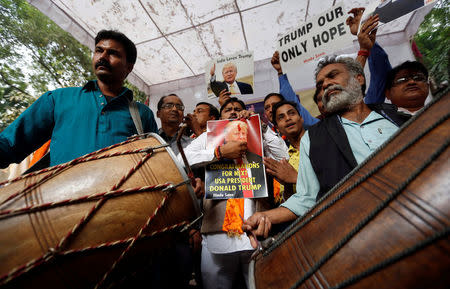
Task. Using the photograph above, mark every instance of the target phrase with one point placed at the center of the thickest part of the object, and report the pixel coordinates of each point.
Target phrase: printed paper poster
(244, 177)
(233, 73)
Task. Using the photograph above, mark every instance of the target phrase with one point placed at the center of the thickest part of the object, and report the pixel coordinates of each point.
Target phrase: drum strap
(136, 116)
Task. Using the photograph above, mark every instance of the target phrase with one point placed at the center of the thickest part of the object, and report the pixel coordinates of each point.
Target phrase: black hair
(410, 65)
(130, 48)
(273, 94)
(213, 111)
(161, 100)
(230, 100)
(278, 105)
(316, 92)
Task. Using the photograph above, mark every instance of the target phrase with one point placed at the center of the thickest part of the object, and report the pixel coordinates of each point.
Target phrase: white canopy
(175, 38)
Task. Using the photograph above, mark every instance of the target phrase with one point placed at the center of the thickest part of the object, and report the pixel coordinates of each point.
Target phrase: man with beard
(350, 132)
(80, 120)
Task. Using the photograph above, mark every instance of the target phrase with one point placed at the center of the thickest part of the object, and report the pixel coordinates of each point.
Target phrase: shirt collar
(92, 85)
(292, 149)
(373, 116)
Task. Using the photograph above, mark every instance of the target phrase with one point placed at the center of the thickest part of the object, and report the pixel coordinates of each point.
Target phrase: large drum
(386, 225)
(93, 220)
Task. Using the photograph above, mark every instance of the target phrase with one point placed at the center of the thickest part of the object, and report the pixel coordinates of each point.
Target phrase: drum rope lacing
(302, 221)
(371, 216)
(58, 168)
(295, 226)
(103, 196)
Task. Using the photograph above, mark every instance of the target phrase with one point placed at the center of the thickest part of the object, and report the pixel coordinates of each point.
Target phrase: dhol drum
(385, 225)
(87, 223)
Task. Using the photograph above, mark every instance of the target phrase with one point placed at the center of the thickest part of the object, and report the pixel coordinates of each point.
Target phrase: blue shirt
(364, 139)
(379, 66)
(288, 93)
(78, 120)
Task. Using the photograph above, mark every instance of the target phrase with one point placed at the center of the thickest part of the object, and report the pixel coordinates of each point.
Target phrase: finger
(348, 21)
(253, 241)
(267, 226)
(353, 11)
(270, 171)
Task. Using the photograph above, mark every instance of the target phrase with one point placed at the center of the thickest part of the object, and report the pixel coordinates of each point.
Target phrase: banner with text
(244, 177)
(320, 36)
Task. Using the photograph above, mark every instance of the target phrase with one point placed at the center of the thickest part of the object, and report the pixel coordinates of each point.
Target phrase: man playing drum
(80, 120)
(350, 132)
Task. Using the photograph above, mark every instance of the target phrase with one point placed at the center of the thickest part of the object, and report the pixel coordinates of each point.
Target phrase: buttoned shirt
(172, 141)
(198, 154)
(78, 120)
(363, 138)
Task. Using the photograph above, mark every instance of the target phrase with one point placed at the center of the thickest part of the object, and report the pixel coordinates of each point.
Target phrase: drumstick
(181, 150)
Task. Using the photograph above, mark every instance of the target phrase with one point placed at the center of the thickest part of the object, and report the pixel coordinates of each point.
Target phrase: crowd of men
(304, 155)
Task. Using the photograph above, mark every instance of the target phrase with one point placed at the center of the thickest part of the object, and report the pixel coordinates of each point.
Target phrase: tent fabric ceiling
(175, 38)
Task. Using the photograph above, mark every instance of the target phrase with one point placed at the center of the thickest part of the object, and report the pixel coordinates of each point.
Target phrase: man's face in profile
(229, 74)
(236, 131)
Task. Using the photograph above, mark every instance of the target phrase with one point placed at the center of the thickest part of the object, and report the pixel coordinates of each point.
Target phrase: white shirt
(237, 91)
(198, 155)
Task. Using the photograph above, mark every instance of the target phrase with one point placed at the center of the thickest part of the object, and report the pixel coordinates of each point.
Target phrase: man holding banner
(226, 250)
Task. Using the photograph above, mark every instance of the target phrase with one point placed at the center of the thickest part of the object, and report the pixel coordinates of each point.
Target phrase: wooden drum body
(385, 225)
(76, 241)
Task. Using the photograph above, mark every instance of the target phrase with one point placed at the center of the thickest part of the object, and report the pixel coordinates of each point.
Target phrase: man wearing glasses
(171, 113)
(407, 86)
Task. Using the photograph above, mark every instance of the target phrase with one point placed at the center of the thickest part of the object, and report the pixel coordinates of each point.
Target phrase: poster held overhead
(244, 177)
(389, 10)
(320, 36)
(232, 73)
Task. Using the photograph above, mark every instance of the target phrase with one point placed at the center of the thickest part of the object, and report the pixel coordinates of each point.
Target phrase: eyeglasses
(171, 105)
(416, 77)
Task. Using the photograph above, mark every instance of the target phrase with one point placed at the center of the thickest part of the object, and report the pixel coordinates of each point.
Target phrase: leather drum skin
(32, 254)
(385, 225)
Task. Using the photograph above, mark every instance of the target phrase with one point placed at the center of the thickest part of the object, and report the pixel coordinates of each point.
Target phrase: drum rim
(180, 169)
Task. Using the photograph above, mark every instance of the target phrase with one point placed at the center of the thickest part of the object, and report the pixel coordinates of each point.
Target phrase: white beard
(349, 96)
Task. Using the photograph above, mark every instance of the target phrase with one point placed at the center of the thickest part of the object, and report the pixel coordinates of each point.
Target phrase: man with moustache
(202, 113)
(171, 113)
(80, 120)
(226, 250)
(350, 132)
(407, 86)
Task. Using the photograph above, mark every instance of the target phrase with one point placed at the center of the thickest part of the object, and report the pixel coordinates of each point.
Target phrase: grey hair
(353, 66)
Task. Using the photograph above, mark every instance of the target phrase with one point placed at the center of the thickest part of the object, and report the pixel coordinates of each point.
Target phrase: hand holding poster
(242, 177)
(322, 35)
(232, 73)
